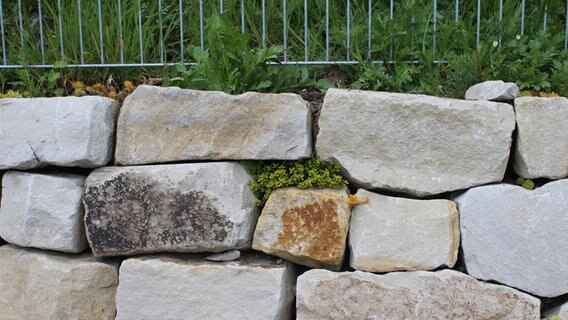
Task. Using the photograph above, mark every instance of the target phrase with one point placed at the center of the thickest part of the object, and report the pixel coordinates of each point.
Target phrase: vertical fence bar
(264, 23)
(285, 31)
(565, 32)
(2, 31)
(101, 33)
(242, 16)
(120, 31)
(81, 48)
(140, 35)
(306, 43)
(434, 26)
(21, 25)
(500, 10)
(201, 31)
(545, 17)
(523, 17)
(220, 6)
(478, 27)
(161, 31)
(60, 30)
(391, 16)
(369, 26)
(181, 48)
(41, 43)
(348, 9)
(326, 30)
(457, 15)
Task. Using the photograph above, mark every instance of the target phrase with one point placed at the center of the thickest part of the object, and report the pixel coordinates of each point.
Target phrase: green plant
(308, 173)
(525, 183)
(10, 94)
(37, 83)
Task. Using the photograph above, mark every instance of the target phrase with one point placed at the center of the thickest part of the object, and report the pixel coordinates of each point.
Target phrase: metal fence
(153, 33)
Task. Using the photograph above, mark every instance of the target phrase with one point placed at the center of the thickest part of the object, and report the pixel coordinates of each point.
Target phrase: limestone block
(305, 226)
(517, 236)
(416, 144)
(445, 294)
(69, 132)
(541, 149)
(171, 124)
(43, 211)
(388, 234)
(495, 90)
(52, 286)
(199, 207)
(162, 287)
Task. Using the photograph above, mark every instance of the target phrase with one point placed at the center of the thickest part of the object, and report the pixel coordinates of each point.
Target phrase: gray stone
(44, 285)
(69, 132)
(388, 234)
(200, 207)
(225, 256)
(171, 124)
(445, 294)
(517, 236)
(495, 90)
(43, 211)
(542, 137)
(561, 312)
(162, 287)
(415, 144)
(305, 226)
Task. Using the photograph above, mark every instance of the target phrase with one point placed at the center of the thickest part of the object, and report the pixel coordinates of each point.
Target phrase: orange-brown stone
(307, 227)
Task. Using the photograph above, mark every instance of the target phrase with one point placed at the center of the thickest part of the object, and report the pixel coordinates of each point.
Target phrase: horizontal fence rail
(154, 33)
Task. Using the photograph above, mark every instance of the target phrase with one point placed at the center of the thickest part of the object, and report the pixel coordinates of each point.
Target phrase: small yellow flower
(112, 93)
(77, 85)
(128, 86)
(98, 87)
(495, 43)
(354, 200)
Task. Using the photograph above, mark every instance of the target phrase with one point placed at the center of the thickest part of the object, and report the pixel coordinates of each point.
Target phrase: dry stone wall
(169, 229)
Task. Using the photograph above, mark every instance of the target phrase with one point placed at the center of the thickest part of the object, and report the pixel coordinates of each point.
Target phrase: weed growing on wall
(268, 176)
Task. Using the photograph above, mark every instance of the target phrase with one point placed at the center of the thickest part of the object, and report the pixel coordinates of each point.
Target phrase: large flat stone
(445, 294)
(171, 124)
(542, 137)
(43, 211)
(201, 207)
(305, 226)
(162, 287)
(69, 132)
(495, 90)
(388, 234)
(416, 144)
(41, 285)
(517, 236)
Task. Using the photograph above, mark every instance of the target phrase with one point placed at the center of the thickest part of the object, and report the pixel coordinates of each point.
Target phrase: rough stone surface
(69, 132)
(166, 288)
(517, 236)
(416, 144)
(42, 285)
(388, 234)
(495, 90)
(171, 124)
(561, 311)
(305, 226)
(201, 207)
(542, 137)
(225, 256)
(43, 211)
(445, 294)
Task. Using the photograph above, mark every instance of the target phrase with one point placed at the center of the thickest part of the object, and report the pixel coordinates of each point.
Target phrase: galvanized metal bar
(306, 40)
(544, 18)
(348, 31)
(4, 61)
(391, 9)
(220, 6)
(41, 41)
(391, 16)
(435, 19)
(369, 29)
(327, 30)
(522, 17)
(60, 29)
(242, 16)
(478, 26)
(201, 35)
(162, 50)
(264, 23)
(120, 31)
(500, 10)
(81, 48)
(101, 33)
(21, 26)
(285, 31)
(181, 47)
(566, 31)
(140, 35)
(457, 13)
